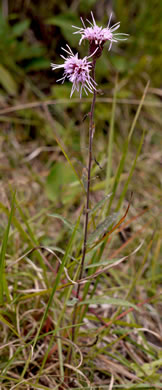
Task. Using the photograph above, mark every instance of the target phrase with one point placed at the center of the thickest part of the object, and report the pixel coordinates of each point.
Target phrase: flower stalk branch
(91, 134)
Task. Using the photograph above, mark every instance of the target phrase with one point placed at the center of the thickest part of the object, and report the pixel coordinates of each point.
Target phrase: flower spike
(77, 71)
(97, 36)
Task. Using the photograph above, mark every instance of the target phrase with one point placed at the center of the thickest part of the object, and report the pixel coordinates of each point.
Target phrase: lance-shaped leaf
(102, 228)
(99, 204)
(109, 301)
(67, 223)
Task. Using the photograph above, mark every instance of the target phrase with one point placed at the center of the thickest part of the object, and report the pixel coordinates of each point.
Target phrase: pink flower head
(77, 71)
(97, 36)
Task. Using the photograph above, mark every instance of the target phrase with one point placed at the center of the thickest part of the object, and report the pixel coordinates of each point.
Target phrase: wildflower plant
(97, 36)
(81, 73)
(77, 71)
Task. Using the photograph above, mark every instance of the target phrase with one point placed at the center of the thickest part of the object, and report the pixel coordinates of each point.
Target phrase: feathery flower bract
(97, 36)
(77, 71)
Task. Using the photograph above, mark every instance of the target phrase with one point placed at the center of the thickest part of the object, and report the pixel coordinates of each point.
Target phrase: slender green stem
(91, 133)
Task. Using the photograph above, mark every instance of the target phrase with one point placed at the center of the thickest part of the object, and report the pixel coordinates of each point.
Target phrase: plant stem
(91, 133)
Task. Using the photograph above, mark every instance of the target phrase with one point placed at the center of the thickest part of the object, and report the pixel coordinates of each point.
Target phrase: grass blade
(111, 139)
(125, 149)
(3, 282)
(130, 173)
(58, 277)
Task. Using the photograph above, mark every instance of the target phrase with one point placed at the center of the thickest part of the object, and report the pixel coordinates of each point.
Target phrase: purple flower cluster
(76, 70)
(98, 35)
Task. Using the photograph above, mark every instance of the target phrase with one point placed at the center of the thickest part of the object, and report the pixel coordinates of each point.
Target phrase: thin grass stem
(91, 134)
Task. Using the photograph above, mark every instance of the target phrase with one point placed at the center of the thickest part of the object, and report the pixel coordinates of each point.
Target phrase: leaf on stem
(102, 228)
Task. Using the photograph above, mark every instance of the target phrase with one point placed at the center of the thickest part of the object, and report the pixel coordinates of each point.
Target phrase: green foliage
(144, 50)
(3, 282)
(65, 22)
(102, 228)
(60, 183)
(7, 81)
(105, 300)
(17, 55)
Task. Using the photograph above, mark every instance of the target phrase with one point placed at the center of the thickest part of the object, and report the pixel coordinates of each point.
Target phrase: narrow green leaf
(99, 204)
(102, 228)
(110, 301)
(17, 224)
(7, 81)
(7, 323)
(68, 224)
(125, 149)
(19, 28)
(100, 263)
(111, 139)
(3, 282)
(57, 280)
(72, 302)
(130, 173)
(34, 240)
